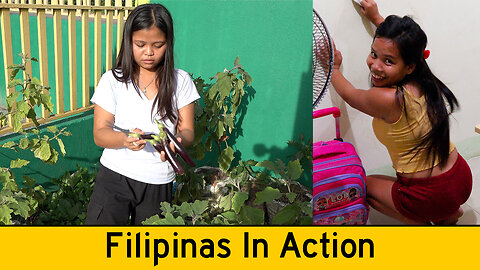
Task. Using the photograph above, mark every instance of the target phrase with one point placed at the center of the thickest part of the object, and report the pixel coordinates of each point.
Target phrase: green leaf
(28, 181)
(10, 144)
(220, 129)
(226, 158)
(229, 122)
(250, 162)
(14, 73)
(34, 143)
(18, 163)
(186, 209)
(230, 215)
(14, 83)
(251, 216)
(33, 116)
(22, 209)
(268, 164)
(287, 216)
(171, 220)
(36, 81)
(219, 76)
(62, 146)
(236, 62)
(239, 200)
(23, 107)
(226, 202)
(5, 217)
(307, 207)
(8, 180)
(294, 170)
(155, 220)
(53, 158)
(17, 121)
(52, 129)
(43, 152)
(12, 98)
(223, 86)
(166, 208)
(291, 196)
(199, 207)
(268, 195)
(24, 142)
(47, 101)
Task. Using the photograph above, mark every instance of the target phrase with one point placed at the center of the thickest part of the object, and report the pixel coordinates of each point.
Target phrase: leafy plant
(68, 204)
(29, 94)
(235, 194)
(18, 205)
(304, 150)
(214, 122)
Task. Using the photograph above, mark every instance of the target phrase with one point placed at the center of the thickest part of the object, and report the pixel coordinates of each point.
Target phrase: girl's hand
(135, 143)
(369, 9)
(172, 146)
(337, 60)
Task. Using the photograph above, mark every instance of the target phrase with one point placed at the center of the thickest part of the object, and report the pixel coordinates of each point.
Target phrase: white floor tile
(377, 218)
(470, 216)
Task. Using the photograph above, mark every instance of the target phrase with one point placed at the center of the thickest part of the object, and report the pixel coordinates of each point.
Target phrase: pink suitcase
(339, 192)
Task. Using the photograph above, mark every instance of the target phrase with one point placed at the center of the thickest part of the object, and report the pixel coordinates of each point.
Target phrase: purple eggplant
(169, 156)
(180, 149)
(146, 136)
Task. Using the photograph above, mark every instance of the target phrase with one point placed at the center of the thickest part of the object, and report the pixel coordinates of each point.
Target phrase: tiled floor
(471, 209)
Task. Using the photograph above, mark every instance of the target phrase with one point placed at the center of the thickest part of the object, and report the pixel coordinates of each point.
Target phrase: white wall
(453, 31)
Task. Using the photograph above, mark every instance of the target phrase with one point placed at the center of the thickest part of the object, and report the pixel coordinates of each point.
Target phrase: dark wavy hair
(411, 42)
(126, 69)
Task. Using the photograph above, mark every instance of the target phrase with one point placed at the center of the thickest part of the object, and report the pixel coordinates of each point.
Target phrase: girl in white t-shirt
(143, 87)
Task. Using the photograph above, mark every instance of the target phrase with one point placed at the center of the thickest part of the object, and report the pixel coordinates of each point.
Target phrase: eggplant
(141, 136)
(169, 156)
(180, 149)
(146, 137)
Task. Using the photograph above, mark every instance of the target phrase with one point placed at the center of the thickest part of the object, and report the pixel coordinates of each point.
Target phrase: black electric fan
(322, 59)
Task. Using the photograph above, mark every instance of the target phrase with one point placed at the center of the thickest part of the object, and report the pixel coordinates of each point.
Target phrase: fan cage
(322, 58)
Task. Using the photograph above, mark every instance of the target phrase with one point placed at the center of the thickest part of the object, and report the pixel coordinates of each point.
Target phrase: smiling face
(385, 63)
(149, 46)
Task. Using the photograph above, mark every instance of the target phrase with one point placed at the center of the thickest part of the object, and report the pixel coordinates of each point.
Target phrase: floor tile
(470, 216)
(377, 218)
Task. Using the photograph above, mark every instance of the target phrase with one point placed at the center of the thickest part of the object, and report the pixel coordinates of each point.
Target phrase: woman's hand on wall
(338, 58)
(369, 9)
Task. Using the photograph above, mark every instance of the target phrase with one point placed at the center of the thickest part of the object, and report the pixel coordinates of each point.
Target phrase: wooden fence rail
(68, 11)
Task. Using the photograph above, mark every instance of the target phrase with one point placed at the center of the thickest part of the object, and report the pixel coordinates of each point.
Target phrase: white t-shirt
(134, 111)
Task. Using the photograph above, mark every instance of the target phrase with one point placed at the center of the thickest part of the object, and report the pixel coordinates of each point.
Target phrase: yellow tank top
(404, 135)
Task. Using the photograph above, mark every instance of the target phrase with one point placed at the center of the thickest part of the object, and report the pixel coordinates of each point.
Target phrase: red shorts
(433, 198)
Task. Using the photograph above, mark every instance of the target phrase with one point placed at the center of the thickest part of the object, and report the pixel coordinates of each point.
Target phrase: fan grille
(322, 59)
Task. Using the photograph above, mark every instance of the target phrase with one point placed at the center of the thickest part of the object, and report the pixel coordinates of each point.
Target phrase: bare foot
(452, 220)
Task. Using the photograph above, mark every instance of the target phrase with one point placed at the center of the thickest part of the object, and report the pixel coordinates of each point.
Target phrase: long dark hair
(411, 42)
(126, 69)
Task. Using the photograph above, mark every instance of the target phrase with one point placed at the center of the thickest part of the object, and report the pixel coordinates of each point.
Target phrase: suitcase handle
(336, 114)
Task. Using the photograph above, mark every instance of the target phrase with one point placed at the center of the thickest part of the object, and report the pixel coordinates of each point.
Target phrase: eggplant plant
(19, 204)
(248, 193)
